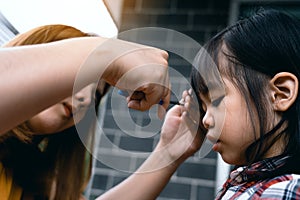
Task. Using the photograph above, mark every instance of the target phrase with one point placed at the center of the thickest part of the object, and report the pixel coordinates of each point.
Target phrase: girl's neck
(276, 150)
(279, 145)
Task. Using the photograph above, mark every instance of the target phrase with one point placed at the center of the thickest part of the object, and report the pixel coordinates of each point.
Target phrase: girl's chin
(231, 160)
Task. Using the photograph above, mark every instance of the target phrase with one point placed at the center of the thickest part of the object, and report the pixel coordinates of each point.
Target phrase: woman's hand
(143, 69)
(180, 135)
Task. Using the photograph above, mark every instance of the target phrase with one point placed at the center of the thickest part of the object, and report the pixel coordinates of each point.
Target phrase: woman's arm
(179, 140)
(37, 76)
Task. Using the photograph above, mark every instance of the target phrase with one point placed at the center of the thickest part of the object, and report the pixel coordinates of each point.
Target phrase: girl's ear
(284, 90)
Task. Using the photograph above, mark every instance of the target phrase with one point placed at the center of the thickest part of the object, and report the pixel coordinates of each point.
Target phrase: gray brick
(165, 4)
(199, 36)
(172, 20)
(109, 122)
(192, 4)
(176, 191)
(151, 35)
(180, 65)
(222, 5)
(114, 162)
(103, 143)
(206, 192)
(117, 180)
(139, 162)
(215, 19)
(136, 144)
(101, 165)
(193, 170)
(92, 197)
(99, 181)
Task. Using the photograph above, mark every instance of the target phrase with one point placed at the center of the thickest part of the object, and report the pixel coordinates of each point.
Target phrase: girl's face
(64, 114)
(228, 123)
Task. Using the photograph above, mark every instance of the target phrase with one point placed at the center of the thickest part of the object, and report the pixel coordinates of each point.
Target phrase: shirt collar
(256, 170)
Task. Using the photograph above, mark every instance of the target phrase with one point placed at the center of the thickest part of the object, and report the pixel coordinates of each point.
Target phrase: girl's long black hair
(257, 48)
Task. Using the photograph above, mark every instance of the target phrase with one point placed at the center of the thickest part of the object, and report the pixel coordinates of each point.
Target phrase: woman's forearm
(37, 76)
(146, 183)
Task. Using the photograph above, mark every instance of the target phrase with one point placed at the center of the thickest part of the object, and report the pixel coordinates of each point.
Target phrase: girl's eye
(217, 101)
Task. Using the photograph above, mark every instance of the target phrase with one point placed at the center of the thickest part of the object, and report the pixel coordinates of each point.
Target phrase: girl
(249, 108)
(258, 60)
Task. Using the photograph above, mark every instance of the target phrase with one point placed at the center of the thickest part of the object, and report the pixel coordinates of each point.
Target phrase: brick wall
(198, 19)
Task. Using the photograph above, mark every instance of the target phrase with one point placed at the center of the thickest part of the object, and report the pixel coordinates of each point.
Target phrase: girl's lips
(214, 141)
(216, 146)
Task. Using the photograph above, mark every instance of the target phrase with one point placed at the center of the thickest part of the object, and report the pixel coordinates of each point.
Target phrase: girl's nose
(208, 120)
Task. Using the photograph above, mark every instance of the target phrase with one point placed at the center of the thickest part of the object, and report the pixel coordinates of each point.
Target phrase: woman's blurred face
(63, 114)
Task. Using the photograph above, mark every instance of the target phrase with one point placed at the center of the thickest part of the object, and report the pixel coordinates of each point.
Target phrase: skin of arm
(37, 76)
(179, 140)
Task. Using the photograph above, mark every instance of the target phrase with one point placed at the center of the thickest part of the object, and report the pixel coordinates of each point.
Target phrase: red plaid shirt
(247, 182)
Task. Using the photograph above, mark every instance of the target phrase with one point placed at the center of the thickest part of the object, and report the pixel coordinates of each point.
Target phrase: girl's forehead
(216, 88)
(210, 69)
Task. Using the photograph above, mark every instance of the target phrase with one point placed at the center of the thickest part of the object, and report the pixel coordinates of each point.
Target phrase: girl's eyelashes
(217, 101)
(214, 103)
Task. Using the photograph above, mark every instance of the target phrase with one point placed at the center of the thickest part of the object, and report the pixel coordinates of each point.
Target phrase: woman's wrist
(173, 158)
(114, 62)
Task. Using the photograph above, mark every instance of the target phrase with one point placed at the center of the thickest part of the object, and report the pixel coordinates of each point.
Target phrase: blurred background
(197, 178)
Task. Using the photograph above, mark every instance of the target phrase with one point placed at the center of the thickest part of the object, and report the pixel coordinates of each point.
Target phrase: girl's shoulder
(287, 186)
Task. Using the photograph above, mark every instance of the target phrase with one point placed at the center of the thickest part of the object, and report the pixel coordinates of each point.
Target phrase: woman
(43, 155)
(27, 71)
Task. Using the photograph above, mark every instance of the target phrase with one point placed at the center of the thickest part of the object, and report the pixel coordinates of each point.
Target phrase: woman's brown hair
(40, 161)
